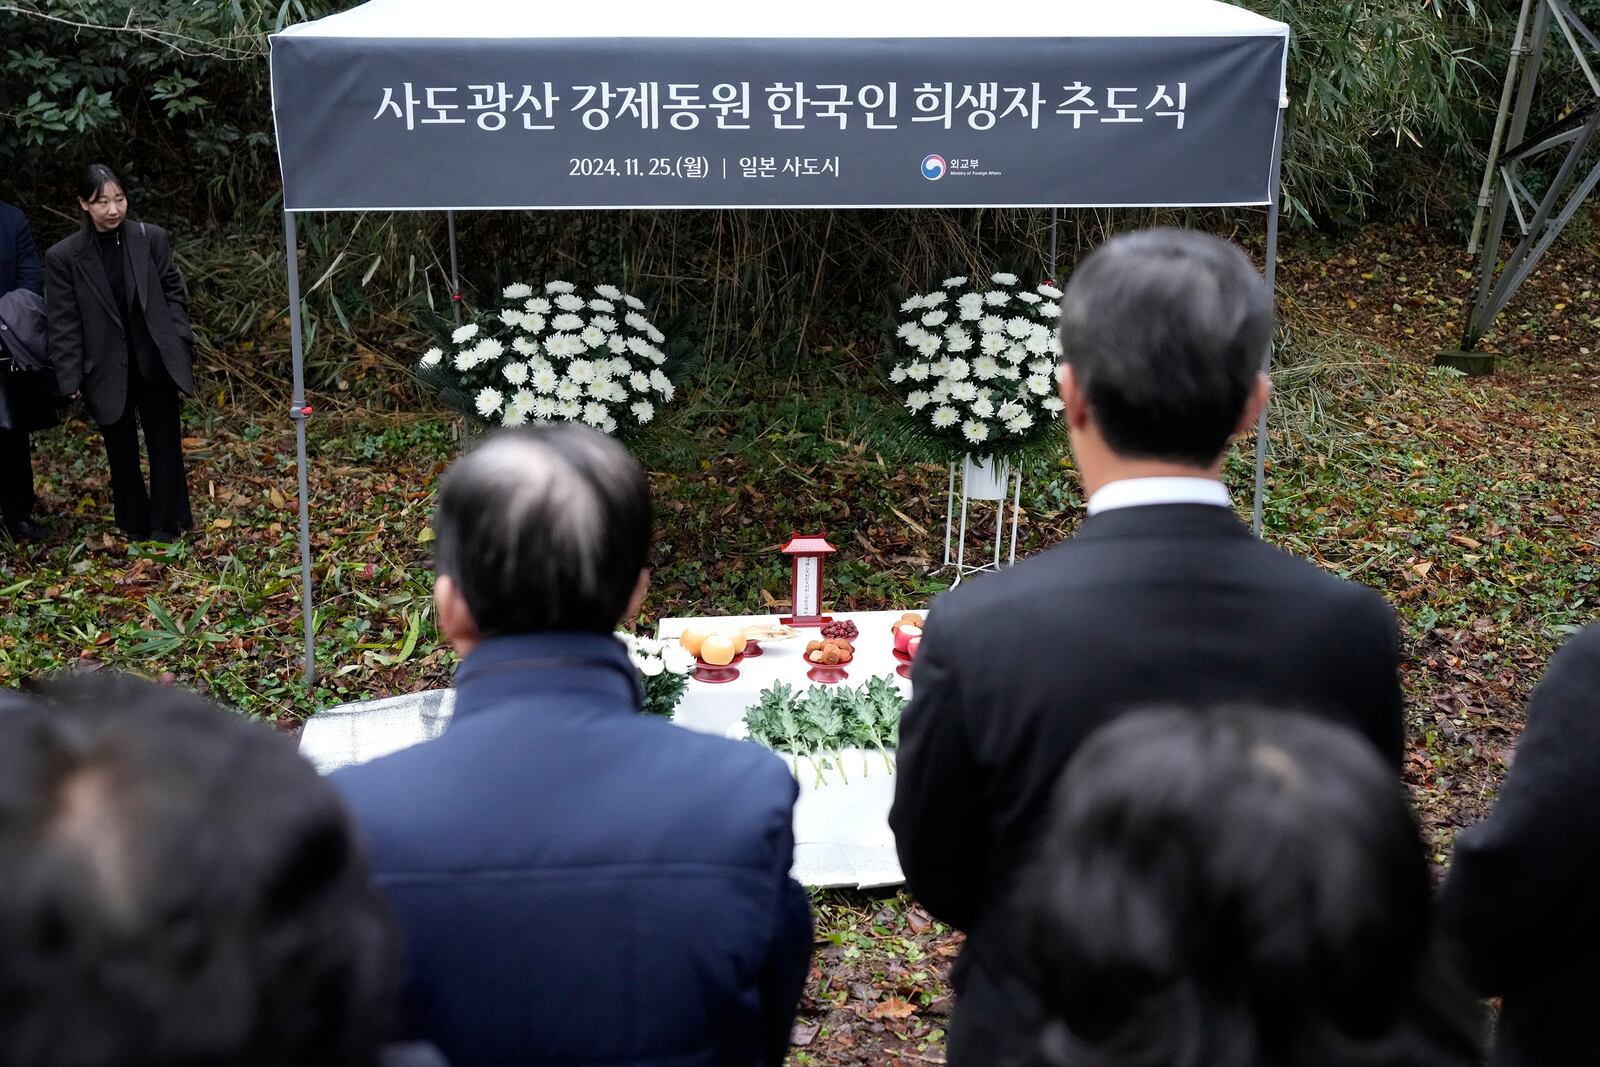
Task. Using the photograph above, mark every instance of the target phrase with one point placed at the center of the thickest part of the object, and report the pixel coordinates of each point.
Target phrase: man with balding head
(578, 883)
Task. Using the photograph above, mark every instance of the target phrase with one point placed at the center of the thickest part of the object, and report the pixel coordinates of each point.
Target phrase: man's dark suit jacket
(1160, 605)
(581, 884)
(88, 339)
(1520, 899)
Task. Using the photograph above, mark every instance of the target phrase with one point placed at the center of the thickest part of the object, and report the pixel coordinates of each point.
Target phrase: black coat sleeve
(26, 256)
(1519, 894)
(1368, 641)
(940, 828)
(784, 978)
(172, 287)
(66, 323)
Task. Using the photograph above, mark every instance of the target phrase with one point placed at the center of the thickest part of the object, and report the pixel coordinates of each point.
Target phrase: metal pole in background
(455, 270)
(1272, 273)
(1053, 214)
(1506, 91)
(299, 411)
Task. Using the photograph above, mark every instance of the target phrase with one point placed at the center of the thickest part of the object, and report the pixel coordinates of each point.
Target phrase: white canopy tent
(508, 105)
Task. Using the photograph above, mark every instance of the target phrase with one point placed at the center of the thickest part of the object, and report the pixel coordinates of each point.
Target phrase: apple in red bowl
(904, 635)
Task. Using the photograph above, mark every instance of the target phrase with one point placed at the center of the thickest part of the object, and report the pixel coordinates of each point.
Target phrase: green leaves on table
(826, 720)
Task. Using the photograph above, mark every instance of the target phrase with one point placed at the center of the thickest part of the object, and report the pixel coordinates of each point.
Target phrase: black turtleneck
(110, 246)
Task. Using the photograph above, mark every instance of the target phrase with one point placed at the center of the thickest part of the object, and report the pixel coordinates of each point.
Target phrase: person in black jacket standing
(120, 334)
(19, 269)
(1162, 598)
(1519, 898)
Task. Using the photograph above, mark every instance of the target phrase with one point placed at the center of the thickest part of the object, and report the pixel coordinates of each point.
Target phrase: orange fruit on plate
(738, 639)
(691, 640)
(717, 650)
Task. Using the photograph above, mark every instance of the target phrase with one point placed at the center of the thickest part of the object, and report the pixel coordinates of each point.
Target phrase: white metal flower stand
(983, 478)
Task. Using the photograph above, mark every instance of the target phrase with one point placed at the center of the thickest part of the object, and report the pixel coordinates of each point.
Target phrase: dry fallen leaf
(893, 1008)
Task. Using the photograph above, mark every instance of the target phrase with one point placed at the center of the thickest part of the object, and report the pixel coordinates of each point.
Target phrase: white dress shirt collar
(1139, 492)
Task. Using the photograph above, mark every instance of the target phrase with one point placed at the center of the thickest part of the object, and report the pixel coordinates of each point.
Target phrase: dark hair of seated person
(180, 889)
(1237, 889)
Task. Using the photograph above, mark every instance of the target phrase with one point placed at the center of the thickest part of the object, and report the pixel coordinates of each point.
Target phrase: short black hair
(1165, 331)
(1244, 887)
(544, 529)
(181, 889)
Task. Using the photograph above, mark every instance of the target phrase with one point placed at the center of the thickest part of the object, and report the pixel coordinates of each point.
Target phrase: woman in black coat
(120, 336)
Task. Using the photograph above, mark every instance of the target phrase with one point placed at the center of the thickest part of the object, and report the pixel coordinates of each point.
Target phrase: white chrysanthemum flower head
(569, 410)
(992, 324)
(992, 344)
(1003, 278)
(594, 413)
(918, 371)
(928, 344)
(609, 292)
(617, 343)
(912, 303)
(1041, 366)
(985, 368)
(1050, 291)
(935, 317)
(1038, 384)
(559, 287)
(897, 374)
(643, 411)
(517, 291)
(599, 389)
(524, 346)
(1051, 310)
(957, 369)
(906, 330)
(510, 316)
(513, 416)
(1017, 326)
(637, 322)
(582, 371)
(568, 390)
(1020, 424)
(1010, 410)
(593, 336)
(1016, 353)
(488, 401)
(563, 345)
(602, 306)
(488, 349)
(620, 367)
(464, 361)
(959, 341)
(432, 357)
(945, 417)
(951, 283)
(918, 400)
(532, 322)
(543, 379)
(983, 407)
(677, 659)
(1029, 298)
(544, 408)
(567, 323)
(538, 305)
(656, 335)
(568, 302)
(1052, 403)
(1038, 344)
(966, 392)
(515, 373)
(604, 322)
(640, 381)
(974, 431)
(465, 333)
(996, 297)
(935, 298)
(633, 301)
(941, 391)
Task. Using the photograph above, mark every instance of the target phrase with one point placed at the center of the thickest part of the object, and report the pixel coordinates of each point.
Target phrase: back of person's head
(1244, 888)
(544, 529)
(1165, 331)
(180, 890)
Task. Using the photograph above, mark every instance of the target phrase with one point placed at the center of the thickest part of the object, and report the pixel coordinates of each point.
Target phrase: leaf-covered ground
(1471, 503)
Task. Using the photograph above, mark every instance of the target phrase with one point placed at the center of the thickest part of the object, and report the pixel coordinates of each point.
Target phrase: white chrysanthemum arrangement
(978, 369)
(664, 669)
(562, 355)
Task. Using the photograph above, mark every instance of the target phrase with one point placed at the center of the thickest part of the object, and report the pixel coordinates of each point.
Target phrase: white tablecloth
(841, 829)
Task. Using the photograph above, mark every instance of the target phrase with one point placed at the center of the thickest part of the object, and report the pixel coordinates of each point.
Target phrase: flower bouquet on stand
(564, 354)
(975, 368)
(663, 667)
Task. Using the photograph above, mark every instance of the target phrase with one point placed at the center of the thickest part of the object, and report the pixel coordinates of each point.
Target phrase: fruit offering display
(841, 628)
(717, 648)
(834, 651)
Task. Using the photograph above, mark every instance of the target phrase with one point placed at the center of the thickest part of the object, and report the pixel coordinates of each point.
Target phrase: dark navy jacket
(582, 884)
(19, 259)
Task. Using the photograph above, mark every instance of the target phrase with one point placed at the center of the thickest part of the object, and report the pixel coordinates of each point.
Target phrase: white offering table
(841, 830)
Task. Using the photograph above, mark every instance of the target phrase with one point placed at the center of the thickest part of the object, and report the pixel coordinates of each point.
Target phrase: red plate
(827, 673)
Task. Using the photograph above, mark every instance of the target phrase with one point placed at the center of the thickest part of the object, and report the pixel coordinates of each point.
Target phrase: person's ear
(636, 601)
(454, 617)
(1075, 405)
(1260, 393)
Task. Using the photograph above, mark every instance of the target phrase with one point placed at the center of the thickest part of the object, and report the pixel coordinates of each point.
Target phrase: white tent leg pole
(299, 411)
(455, 269)
(1266, 357)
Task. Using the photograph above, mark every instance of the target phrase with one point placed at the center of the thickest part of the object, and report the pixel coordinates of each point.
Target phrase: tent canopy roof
(814, 19)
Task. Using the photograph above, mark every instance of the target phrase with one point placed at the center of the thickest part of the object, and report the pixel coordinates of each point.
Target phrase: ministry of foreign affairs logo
(933, 167)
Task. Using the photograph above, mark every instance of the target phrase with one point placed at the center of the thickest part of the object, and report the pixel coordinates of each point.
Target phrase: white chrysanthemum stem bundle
(557, 353)
(978, 363)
